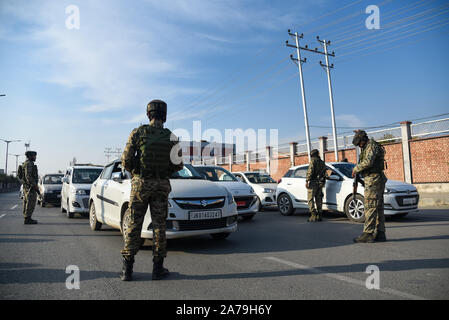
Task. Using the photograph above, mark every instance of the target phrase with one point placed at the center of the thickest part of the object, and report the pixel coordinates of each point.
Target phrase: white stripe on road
(345, 279)
(13, 207)
(2, 215)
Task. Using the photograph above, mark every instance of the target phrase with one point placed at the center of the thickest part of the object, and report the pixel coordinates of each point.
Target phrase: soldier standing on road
(150, 156)
(315, 181)
(371, 166)
(30, 189)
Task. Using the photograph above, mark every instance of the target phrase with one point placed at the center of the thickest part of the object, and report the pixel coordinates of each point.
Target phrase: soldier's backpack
(322, 176)
(154, 152)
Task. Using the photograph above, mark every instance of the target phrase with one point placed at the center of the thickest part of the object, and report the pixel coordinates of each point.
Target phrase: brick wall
(430, 162)
(393, 157)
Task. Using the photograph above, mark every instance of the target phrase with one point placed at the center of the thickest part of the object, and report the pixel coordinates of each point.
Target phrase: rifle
(357, 180)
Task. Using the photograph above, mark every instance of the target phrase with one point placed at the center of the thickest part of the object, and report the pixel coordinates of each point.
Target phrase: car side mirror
(118, 177)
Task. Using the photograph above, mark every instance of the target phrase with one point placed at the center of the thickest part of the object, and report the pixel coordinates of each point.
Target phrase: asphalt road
(272, 257)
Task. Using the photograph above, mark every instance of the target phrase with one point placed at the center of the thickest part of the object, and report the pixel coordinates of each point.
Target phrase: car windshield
(259, 178)
(53, 179)
(216, 174)
(85, 175)
(345, 168)
(188, 172)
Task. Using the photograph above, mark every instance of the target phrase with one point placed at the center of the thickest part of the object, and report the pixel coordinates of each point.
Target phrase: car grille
(400, 200)
(186, 225)
(246, 202)
(86, 203)
(200, 203)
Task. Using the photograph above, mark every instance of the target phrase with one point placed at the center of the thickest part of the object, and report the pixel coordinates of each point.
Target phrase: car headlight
(267, 190)
(229, 196)
(390, 190)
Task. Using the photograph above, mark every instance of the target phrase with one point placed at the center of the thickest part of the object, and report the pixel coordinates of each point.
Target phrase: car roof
(86, 167)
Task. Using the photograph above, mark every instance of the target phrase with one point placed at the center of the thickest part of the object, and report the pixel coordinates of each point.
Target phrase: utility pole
(17, 160)
(108, 152)
(299, 62)
(325, 43)
(7, 145)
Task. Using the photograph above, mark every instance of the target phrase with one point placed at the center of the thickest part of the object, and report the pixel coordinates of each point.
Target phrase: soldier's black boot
(365, 238)
(312, 217)
(318, 217)
(127, 269)
(29, 221)
(159, 272)
(380, 237)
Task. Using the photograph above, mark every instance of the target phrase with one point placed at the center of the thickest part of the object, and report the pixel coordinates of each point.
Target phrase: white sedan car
(263, 185)
(399, 198)
(246, 199)
(195, 206)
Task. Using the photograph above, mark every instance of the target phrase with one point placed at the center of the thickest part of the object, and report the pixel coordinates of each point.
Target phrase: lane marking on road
(13, 207)
(2, 215)
(345, 279)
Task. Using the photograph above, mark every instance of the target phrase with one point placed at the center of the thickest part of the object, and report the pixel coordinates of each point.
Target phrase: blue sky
(74, 92)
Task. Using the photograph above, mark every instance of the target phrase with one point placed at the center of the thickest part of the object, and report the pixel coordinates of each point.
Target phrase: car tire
(248, 217)
(220, 236)
(285, 205)
(355, 211)
(94, 224)
(69, 214)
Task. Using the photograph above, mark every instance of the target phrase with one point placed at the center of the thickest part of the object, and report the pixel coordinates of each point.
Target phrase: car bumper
(268, 199)
(400, 203)
(79, 204)
(251, 209)
(175, 234)
(51, 197)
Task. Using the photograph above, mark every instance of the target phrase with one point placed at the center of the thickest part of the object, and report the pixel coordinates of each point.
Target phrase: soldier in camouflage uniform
(371, 166)
(30, 189)
(315, 181)
(149, 156)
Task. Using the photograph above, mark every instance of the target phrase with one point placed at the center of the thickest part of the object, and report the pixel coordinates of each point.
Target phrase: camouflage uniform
(371, 166)
(315, 177)
(30, 179)
(149, 187)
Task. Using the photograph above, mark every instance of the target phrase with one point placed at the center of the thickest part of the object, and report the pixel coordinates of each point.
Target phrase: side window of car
(301, 172)
(107, 172)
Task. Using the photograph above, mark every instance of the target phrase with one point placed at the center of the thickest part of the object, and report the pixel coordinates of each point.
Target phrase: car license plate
(241, 203)
(409, 201)
(203, 215)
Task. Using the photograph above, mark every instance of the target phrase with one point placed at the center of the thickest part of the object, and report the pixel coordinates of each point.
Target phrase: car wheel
(94, 224)
(285, 205)
(70, 215)
(220, 236)
(355, 209)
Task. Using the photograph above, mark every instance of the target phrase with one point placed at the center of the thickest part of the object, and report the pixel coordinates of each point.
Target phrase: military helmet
(30, 153)
(314, 152)
(157, 109)
(359, 136)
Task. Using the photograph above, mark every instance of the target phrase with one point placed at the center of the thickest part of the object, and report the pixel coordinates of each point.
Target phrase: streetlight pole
(7, 145)
(17, 161)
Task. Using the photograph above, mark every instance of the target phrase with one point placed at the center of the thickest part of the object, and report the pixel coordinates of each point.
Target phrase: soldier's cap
(314, 152)
(30, 153)
(359, 136)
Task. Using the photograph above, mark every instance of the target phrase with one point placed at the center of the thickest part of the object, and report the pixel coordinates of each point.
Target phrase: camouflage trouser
(144, 192)
(29, 202)
(374, 204)
(315, 198)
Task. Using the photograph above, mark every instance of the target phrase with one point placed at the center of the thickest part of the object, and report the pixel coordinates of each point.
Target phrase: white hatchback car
(399, 198)
(246, 199)
(75, 191)
(262, 184)
(195, 206)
